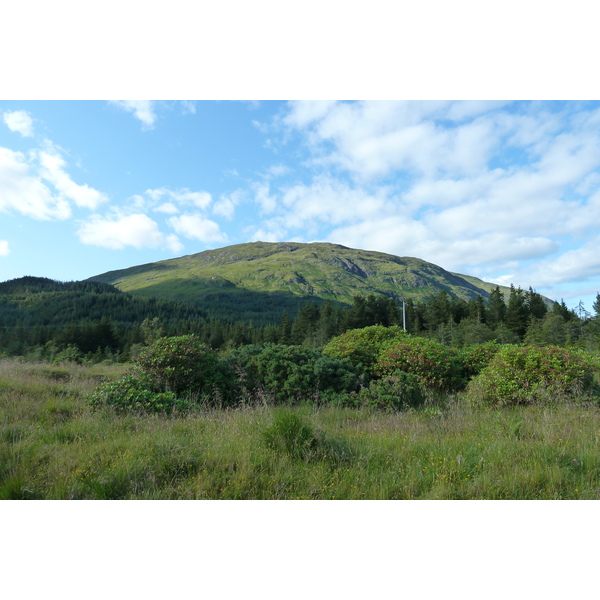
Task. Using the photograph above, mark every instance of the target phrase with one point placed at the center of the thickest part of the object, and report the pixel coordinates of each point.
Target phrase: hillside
(37, 310)
(319, 270)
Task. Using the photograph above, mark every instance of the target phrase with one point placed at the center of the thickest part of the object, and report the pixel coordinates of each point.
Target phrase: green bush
(185, 366)
(437, 366)
(363, 346)
(397, 391)
(336, 375)
(292, 372)
(243, 363)
(132, 394)
(521, 375)
(478, 356)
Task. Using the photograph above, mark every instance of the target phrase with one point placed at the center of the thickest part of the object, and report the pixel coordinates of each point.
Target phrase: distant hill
(261, 272)
(40, 302)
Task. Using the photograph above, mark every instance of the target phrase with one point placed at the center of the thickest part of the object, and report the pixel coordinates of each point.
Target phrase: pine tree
(536, 305)
(562, 310)
(496, 308)
(596, 305)
(285, 329)
(517, 312)
(438, 310)
(305, 323)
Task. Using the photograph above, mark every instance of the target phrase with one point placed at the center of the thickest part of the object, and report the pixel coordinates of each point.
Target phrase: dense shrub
(397, 391)
(132, 394)
(244, 364)
(362, 346)
(478, 356)
(183, 365)
(437, 366)
(532, 375)
(292, 372)
(337, 375)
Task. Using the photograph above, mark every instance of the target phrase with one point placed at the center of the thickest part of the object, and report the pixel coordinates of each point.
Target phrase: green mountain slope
(319, 270)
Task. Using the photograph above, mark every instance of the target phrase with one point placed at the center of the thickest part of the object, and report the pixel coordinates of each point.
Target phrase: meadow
(55, 445)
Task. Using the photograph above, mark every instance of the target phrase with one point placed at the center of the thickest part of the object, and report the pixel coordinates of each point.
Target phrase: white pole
(404, 315)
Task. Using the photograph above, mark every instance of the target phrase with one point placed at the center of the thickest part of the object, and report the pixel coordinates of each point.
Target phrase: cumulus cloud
(4, 249)
(263, 197)
(52, 169)
(559, 275)
(37, 185)
(579, 264)
(375, 139)
(325, 201)
(331, 201)
(22, 190)
(19, 121)
(119, 231)
(198, 227)
(143, 110)
(225, 206)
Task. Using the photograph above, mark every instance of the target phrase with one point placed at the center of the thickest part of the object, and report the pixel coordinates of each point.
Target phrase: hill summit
(322, 271)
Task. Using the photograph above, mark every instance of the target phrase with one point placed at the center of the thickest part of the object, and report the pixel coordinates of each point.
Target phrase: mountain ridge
(319, 269)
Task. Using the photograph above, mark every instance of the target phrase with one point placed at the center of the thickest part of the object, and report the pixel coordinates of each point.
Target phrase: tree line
(44, 319)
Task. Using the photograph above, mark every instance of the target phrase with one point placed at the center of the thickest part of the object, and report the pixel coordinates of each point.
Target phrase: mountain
(263, 272)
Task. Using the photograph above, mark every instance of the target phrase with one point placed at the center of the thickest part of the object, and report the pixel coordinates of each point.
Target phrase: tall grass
(53, 445)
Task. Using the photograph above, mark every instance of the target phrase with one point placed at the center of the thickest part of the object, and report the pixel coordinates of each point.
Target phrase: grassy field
(54, 446)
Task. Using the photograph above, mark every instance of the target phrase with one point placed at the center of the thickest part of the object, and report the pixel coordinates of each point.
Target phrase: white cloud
(119, 231)
(278, 170)
(52, 169)
(263, 197)
(464, 109)
(272, 233)
(168, 208)
(326, 201)
(375, 139)
(184, 196)
(197, 227)
(143, 110)
(306, 112)
(227, 203)
(558, 276)
(394, 234)
(407, 237)
(38, 186)
(579, 264)
(19, 121)
(4, 249)
(24, 192)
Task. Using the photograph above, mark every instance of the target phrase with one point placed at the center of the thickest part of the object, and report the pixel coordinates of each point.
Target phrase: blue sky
(506, 191)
